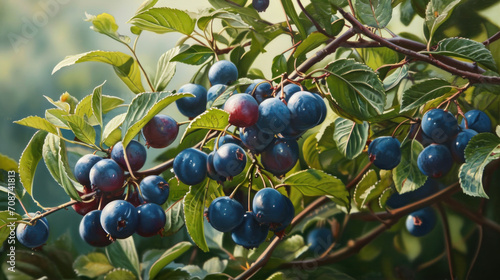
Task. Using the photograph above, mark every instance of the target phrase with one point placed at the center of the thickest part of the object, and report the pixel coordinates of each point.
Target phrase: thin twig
(447, 238)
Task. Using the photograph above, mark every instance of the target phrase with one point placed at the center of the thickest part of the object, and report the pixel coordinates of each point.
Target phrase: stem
(62, 206)
(359, 177)
(311, 19)
(476, 254)
(492, 39)
(140, 66)
(478, 219)
(447, 238)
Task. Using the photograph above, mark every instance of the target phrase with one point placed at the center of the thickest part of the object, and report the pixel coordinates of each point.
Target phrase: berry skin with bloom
(222, 72)
(107, 176)
(435, 160)
(119, 219)
(319, 240)
(91, 230)
(151, 219)
(268, 206)
(225, 214)
(280, 156)
(385, 152)
(439, 125)
(154, 189)
(33, 236)
(83, 166)
(192, 106)
(477, 120)
(421, 222)
(229, 160)
(136, 155)
(190, 166)
(160, 131)
(243, 110)
(250, 233)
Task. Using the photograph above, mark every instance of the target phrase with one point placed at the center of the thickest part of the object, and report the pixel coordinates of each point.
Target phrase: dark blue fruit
(288, 215)
(229, 160)
(397, 200)
(260, 90)
(214, 92)
(254, 139)
(225, 214)
(305, 110)
(280, 156)
(160, 131)
(119, 219)
(260, 5)
(151, 219)
(421, 222)
(192, 106)
(268, 206)
(35, 235)
(274, 116)
(243, 110)
(291, 132)
(440, 125)
(211, 172)
(250, 233)
(385, 152)
(459, 143)
(288, 91)
(154, 189)
(319, 240)
(190, 166)
(435, 160)
(477, 120)
(83, 166)
(136, 155)
(91, 230)
(227, 139)
(107, 176)
(322, 106)
(222, 72)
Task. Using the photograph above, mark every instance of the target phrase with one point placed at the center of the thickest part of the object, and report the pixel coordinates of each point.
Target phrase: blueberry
(250, 233)
(397, 200)
(160, 131)
(477, 120)
(190, 166)
(222, 72)
(254, 139)
(274, 116)
(211, 172)
(225, 214)
(322, 106)
(385, 152)
(227, 139)
(440, 125)
(151, 219)
(154, 189)
(136, 155)
(260, 90)
(192, 106)
(305, 110)
(107, 176)
(215, 91)
(229, 160)
(91, 230)
(292, 132)
(421, 222)
(288, 91)
(35, 235)
(260, 5)
(435, 160)
(319, 240)
(269, 206)
(119, 219)
(83, 166)
(459, 143)
(243, 110)
(280, 156)
(288, 215)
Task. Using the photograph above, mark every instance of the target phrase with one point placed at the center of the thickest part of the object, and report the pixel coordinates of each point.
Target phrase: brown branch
(492, 39)
(359, 177)
(478, 219)
(62, 206)
(447, 238)
(314, 22)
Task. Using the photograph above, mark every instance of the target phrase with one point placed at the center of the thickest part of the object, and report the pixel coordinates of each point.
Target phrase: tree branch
(447, 238)
(492, 39)
(478, 219)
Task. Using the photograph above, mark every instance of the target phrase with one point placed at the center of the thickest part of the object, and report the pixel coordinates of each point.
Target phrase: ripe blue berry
(225, 214)
(397, 200)
(459, 143)
(136, 155)
(151, 219)
(319, 240)
(260, 5)
(35, 235)
(107, 176)
(268, 206)
(385, 152)
(288, 215)
(280, 156)
(83, 166)
(215, 91)
(440, 125)
(477, 120)
(227, 139)
(291, 132)
(260, 90)
(160, 131)
(435, 160)
(222, 72)
(322, 106)
(421, 222)
(154, 189)
(305, 110)
(274, 116)
(250, 233)
(288, 91)
(119, 219)
(254, 139)
(190, 166)
(229, 160)
(192, 106)
(211, 172)
(91, 230)
(243, 110)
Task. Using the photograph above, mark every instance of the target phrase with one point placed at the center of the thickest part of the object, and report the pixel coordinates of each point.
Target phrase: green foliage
(163, 20)
(374, 13)
(167, 257)
(122, 254)
(92, 265)
(350, 137)
(212, 119)
(407, 176)
(29, 160)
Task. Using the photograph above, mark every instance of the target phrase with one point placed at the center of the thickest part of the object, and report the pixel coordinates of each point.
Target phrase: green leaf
(311, 154)
(481, 150)
(122, 254)
(29, 160)
(356, 89)
(165, 70)
(376, 58)
(291, 248)
(350, 137)
(143, 108)
(215, 265)
(6, 218)
(230, 90)
(312, 182)
(294, 17)
(407, 176)
(112, 133)
(54, 156)
(7, 164)
(59, 104)
(364, 187)
(92, 265)
(466, 48)
(374, 13)
(84, 107)
(175, 217)
(194, 55)
(312, 41)
(106, 24)
(163, 20)
(279, 65)
(212, 119)
(97, 103)
(423, 92)
(169, 256)
(81, 128)
(437, 12)
(55, 117)
(277, 276)
(124, 65)
(38, 123)
(146, 5)
(395, 77)
(120, 274)
(406, 12)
